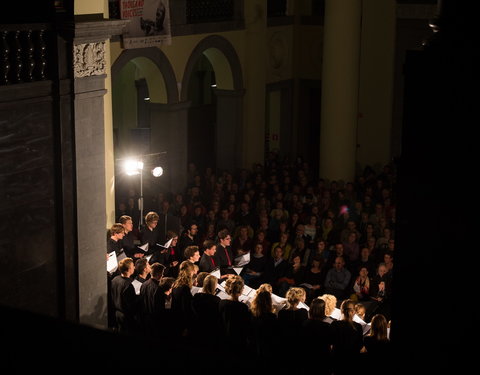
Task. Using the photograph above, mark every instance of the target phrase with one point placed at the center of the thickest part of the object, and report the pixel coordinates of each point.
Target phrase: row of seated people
(229, 318)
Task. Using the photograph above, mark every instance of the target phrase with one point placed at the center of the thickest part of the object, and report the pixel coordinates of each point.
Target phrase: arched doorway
(213, 79)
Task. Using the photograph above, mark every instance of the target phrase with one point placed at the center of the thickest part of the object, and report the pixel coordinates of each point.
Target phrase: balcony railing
(23, 53)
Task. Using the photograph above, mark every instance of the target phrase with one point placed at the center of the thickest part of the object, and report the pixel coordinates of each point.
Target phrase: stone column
(340, 71)
(89, 68)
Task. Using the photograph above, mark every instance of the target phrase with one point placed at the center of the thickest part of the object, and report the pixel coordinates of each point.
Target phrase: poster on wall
(149, 23)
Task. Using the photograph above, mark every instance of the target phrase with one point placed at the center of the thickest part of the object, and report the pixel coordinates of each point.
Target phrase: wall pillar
(341, 49)
(228, 133)
(88, 40)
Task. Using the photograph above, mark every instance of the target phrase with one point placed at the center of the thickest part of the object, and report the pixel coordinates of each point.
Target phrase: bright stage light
(133, 167)
(157, 171)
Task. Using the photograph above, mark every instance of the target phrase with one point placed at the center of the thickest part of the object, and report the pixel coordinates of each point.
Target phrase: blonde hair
(262, 303)
(265, 287)
(209, 284)
(330, 303)
(234, 285)
(185, 276)
(124, 265)
(294, 296)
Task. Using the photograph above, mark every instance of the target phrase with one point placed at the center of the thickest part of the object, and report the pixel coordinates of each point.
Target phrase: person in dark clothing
(316, 336)
(265, 328)
(149, 233)
(224, 255)
(235, 317)
(114, 241)
(275, 269)
(377, 345)
(290, 320)
(152, 302)
(207, 261)
(187, 238)
(124, 298)
(182, 299)
(129, 239)
(347, 340)
(206, 315)
(256, 267)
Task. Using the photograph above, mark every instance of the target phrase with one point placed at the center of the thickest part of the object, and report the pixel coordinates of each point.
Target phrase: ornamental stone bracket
(88, 35)
(89, 59)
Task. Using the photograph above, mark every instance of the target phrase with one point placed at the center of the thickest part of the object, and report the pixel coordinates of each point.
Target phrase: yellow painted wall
(91, 7)
(376, 83)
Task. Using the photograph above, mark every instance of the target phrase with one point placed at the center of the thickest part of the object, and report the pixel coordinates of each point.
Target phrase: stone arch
(158, 58)
(224, 60)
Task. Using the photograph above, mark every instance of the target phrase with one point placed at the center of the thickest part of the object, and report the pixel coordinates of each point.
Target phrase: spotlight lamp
(157, 171)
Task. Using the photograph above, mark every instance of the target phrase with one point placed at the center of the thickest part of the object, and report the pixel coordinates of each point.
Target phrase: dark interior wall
(27, 199)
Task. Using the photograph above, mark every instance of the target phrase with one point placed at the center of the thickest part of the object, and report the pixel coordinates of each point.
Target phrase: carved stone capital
(89, 59)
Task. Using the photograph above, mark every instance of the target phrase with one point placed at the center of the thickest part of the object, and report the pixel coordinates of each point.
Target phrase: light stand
(134, 166)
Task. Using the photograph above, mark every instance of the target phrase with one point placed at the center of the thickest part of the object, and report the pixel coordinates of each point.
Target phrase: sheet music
(195, 290)
(238, 270)
(222, 294)
(303, 305)
(366, 329)
(359, 320)
(167, 244)
(336, 314)
(136, 285)
(216, 273)
(144, 247)
(242, 260)
(148, 257)
(112, 263)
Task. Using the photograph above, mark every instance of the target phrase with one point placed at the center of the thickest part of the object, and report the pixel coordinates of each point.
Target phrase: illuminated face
(196, 256)
(128, 226)
(382, 270)
(153, 224)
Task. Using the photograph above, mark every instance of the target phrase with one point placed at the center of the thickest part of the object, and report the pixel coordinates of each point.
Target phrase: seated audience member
(380, 293)
(314, 278)
(338, 279)
(256, 267)
(316, 338)
(347, 340)
(275, 269)
(361, 286)
(242, 241)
